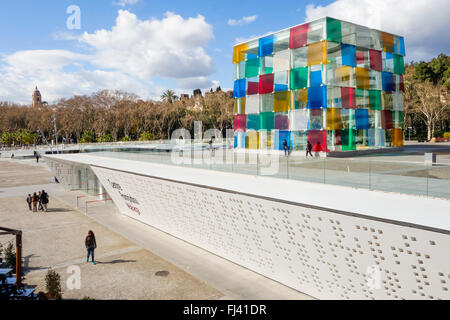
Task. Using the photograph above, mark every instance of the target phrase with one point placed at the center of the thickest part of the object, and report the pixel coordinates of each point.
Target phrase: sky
(146, 47)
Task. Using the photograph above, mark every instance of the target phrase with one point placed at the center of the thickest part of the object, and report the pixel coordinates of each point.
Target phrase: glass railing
(432, 180)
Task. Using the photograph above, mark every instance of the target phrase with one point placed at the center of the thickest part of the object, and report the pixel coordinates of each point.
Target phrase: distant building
(36, 98)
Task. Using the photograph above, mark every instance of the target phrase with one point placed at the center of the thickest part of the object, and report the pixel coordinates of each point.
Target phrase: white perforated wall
(326, 255)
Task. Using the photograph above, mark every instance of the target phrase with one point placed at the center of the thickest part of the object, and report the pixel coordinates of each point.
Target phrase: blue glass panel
(280, 87)
(387, 81)
(239, 140)
(348, 55)
(239, 88)
(316, 78)
(266, 46)
(317, 97)
(402, 46)
(362, 118)
(282, 135)
(251, 56)
(389, 55)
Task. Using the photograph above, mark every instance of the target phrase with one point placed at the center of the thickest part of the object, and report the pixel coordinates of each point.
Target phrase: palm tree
(169, 96)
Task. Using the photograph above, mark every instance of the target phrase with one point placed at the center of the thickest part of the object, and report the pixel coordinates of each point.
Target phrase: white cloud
(171, 47)
(127, 57)
(123, 3)
(242, 21)
(424, 24)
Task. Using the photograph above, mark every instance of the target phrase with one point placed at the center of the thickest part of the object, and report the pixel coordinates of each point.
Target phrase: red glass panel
(375, 60)
(348, 98)
(386, 119)
(318, 140)
(266, 83)
(240, 122)
(298, 36)
(253, 87)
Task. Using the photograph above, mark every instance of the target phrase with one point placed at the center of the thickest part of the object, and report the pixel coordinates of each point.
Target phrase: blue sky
(146, 47)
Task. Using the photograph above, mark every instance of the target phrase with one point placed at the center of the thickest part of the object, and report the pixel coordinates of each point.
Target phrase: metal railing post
(370, 175)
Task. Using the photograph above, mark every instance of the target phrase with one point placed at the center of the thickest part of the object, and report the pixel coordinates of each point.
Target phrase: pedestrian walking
(40, 202)
(285, 147)
(91, 245)
(35, 201)
(308, 149)
(44, 200)
(29, 201)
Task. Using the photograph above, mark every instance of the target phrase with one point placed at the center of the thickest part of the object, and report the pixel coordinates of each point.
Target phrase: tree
(53, 284)
(10, 255)
(169, 96)
(87, 137)
(146, 136)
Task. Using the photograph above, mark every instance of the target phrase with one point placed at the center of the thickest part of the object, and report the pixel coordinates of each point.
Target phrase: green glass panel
(348, 140)
(251, 68)
(399, 64)
(267, 120)
(299, 78)
(253, 121)
(375, 99)
(334, 32)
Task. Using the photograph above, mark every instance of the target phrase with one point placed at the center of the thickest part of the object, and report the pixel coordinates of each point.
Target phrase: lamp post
(55, 130)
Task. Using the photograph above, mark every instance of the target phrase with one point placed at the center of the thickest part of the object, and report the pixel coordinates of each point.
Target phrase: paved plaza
(134, 261)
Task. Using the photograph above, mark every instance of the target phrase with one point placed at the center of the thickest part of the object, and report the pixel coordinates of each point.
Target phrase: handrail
(86, 210)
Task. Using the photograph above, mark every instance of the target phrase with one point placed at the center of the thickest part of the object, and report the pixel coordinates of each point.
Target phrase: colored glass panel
(282, 135)
(334, 121)
(348, 55)
(362, 119)
(317, 53)
(281, 101)
(299, 78)
(252, 85)
(375, 99)
(334, 32)
(315, 119)
(317, 97)
(239, 88)
(316, 31)
(266, 65)
(252, 140)
(239, 139)
(399, 64)
(362, 98)
(281, 121)
(267, 120)
(252, 68)
(240, 122)
(318, 139)
(300, 98)
(334, 99)
(362, 78)
(386, 119)
(375, 60)
(397, 137)
(348, 141)
(239, 52)
(387, 81)
(387, 41)
(298, 36)
(253, 121)
(266, 83)
(239, 105)
(348, 97)
(281, 81)
(315, 78)
(266, 46)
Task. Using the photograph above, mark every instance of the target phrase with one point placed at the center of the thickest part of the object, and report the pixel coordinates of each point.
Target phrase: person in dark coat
(29, 200)
(44, 200)
(308, 149)
(285, 147)
(90, 244)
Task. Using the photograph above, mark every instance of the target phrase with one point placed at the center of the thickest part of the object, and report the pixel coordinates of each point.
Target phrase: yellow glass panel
(397, 137)
(334, 121)
(239, 52)
(239, 105)
(303, 95)
(317, 53)
(362, 78)
(235, 110)
(343, 74)
(281, 101)
(387, 40)
(252, 140)
(266, 139)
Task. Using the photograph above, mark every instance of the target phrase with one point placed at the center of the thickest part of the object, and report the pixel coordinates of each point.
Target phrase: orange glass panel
(317, 53)
(388, 42)
(362, 78)
(334, 121)
(397, 137)
(281, 101)
(239, 52)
